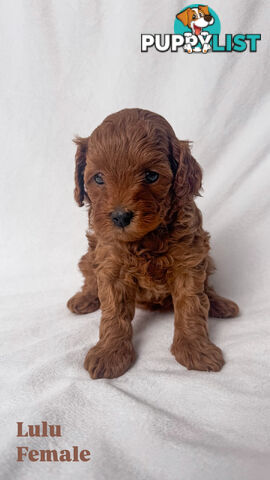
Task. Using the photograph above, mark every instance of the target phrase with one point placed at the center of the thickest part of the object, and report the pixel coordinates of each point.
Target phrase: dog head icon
(196, 18)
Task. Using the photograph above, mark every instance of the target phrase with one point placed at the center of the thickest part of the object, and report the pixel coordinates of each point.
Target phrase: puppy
(196, 19)
(148, 247)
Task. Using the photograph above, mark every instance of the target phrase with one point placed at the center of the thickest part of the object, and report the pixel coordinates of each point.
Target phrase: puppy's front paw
(188, 49)
(109, 361)
(198, 354)
(206, 48)
(82, 303)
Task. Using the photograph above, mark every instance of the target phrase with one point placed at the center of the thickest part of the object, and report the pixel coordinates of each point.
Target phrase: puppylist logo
(197, 30)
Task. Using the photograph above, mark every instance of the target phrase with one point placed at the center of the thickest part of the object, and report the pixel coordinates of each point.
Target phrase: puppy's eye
(193, 17)
(98, 179)
(151, 177)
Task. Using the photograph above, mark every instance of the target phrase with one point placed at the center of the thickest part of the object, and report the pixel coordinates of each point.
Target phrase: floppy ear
(188, 177)
(183, 16)
(80, 162)
(204, 9)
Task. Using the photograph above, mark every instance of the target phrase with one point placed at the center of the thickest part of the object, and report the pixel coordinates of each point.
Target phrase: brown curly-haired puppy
(148, 247)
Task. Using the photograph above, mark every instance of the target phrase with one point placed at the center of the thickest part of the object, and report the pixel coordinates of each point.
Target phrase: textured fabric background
(65, 65)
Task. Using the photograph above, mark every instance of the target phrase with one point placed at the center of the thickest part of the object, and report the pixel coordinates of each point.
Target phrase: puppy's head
(133, 172)
(196, 18)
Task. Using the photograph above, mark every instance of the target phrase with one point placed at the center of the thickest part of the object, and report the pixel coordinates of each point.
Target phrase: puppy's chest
(150, 271)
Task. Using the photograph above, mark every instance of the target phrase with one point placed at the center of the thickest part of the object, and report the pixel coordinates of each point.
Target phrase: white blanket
(65, 65)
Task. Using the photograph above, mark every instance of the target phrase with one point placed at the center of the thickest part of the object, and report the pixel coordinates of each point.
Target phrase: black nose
(208, 18)
(121, 218)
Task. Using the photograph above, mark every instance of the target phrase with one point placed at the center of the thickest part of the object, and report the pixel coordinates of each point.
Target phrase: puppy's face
(196, 18)
(131, 170)
(128, 180)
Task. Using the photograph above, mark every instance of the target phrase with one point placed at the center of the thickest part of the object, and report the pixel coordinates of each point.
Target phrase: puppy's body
(148, 248)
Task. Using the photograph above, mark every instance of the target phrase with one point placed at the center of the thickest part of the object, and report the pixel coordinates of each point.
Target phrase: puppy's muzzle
(121, 218)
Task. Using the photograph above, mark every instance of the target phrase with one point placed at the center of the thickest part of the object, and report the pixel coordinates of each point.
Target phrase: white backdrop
(65, 65)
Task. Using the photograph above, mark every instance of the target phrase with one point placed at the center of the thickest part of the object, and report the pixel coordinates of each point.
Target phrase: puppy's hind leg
(86, 301)
(221, 307)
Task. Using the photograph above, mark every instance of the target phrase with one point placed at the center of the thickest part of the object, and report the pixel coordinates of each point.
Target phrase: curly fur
(161, 259)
